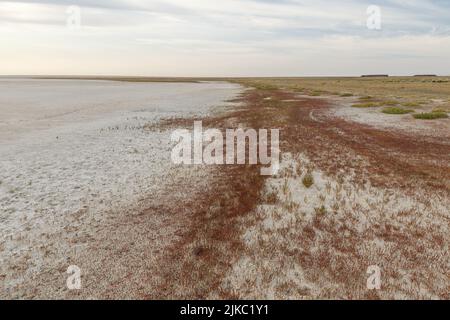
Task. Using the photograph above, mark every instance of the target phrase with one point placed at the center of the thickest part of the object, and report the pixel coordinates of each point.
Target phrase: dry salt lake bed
(76, 162)
(86, 180)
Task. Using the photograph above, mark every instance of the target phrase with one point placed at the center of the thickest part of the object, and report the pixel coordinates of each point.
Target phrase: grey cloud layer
(291, 34)
(282, 18)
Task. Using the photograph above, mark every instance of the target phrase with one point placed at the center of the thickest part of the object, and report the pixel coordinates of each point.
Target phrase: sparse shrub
(431, 115)
(308, 180)
(394, 110)
(344, 95)
(316, 93)
(320, 210)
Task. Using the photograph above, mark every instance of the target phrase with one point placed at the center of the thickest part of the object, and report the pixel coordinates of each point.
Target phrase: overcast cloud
(224, 38)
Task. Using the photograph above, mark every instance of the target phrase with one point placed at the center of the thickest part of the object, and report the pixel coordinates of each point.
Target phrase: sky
(224, 38)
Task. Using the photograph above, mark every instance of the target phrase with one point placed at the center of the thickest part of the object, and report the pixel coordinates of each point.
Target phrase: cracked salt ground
(77, 151)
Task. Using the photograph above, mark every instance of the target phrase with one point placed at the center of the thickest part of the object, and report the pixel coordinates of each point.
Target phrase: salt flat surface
(29, 105)
(66, 144)
(69, 145)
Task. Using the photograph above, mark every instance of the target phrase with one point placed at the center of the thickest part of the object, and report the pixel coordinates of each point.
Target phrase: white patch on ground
(75, 151)
(270, 267)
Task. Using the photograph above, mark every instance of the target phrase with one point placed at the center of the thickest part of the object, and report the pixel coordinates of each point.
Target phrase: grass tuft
(394, 110)
(320, 210)
(366, 105)
(308, 180)
(431, 115)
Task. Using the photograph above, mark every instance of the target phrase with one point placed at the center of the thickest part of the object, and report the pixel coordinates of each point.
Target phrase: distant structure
(425, 75)
(375, 76)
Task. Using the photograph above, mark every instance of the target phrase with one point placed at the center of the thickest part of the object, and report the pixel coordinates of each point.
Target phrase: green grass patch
(431, 115)
(394, 110)
(411, 104)
(366, 105)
